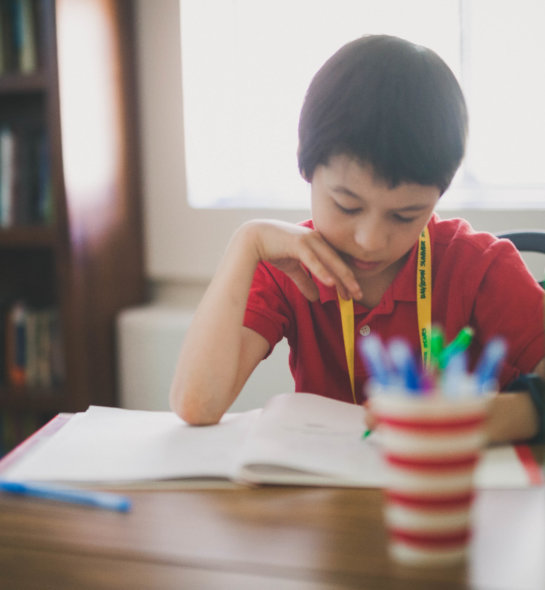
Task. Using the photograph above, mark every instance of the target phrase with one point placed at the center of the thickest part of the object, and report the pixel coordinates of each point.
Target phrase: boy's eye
(347, 210)
(402, 219)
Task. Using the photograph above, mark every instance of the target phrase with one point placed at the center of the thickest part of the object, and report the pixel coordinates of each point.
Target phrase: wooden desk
(265, 538)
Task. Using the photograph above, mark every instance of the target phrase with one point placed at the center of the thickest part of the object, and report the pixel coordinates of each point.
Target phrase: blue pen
(487, 368)
(373, 355)
(61, 494)
(404, 363)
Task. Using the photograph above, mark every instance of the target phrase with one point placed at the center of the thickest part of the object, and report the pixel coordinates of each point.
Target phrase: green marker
(437, 343)
(459, 344)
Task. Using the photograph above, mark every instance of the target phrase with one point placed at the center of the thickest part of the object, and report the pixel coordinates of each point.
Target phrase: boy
(381, 134)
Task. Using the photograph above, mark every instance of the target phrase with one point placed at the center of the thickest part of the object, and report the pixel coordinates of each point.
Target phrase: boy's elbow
(191, 410)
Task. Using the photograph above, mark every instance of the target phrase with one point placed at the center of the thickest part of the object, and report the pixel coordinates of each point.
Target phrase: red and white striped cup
(431, 446)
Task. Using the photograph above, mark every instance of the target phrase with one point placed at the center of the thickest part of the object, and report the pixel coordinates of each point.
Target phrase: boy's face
(370, 225)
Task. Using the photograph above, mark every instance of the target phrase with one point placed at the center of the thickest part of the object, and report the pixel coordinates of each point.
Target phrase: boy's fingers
(329, 268)
(337, 266)
(310, 249)
(369, 417)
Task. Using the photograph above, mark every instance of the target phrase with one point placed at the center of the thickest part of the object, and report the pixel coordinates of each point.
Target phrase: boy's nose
(370, 237)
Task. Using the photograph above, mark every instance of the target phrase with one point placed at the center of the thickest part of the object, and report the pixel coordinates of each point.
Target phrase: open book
(297, 439)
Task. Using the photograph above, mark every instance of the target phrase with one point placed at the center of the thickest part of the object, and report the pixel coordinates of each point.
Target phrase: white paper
(500, 467)
(115, 445)
(308, 439)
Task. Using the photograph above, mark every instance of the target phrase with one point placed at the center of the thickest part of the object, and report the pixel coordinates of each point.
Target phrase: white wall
(181, 243)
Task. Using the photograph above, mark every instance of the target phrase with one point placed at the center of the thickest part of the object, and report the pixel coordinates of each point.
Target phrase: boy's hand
(369, 418)
(293, 249)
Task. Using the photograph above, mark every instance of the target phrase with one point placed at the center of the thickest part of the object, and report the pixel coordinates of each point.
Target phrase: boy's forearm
(512, 418)
(206, 372)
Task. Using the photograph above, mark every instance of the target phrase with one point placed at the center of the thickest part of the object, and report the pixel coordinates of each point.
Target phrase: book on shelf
(25, 183)
(7, 176)
(19, 36)
(25, 23)
(33, 351)
(16, 344)
(6, 39)
(297, 439)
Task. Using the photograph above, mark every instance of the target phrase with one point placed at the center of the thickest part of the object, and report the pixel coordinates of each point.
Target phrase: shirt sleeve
(510, 304)
(268, 310)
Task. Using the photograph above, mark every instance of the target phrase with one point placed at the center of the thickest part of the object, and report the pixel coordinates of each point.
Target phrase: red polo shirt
(477, 280)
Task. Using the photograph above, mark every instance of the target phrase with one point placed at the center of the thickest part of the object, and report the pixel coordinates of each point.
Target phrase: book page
(113, 445)
(309, 439)
(500, 467)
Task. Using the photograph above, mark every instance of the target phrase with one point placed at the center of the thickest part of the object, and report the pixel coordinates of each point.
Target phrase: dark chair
(527, 241)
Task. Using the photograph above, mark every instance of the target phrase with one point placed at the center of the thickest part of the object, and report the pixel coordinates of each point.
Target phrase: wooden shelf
(88, 265)
(27, 237)
(22, 83)
(34, 399)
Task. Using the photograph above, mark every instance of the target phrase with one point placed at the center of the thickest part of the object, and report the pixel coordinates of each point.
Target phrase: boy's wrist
(246, 239)
(260, 238)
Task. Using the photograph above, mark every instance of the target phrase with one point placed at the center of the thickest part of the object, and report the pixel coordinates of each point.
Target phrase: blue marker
(455, 373)
(373, 355)
(60, 494)
(487, 368)
(456, 380)
(404, 363)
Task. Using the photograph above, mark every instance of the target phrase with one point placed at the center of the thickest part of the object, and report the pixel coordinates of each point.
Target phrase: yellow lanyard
(423, 309)
(347, 320)
(423, 295)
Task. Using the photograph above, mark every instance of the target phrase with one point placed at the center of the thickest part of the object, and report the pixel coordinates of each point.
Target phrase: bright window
(246, 65)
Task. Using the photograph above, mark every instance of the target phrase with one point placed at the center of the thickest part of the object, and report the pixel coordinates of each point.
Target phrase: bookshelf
(71, 251)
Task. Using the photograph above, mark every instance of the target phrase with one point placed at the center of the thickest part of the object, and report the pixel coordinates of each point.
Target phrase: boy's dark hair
(389, 103)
